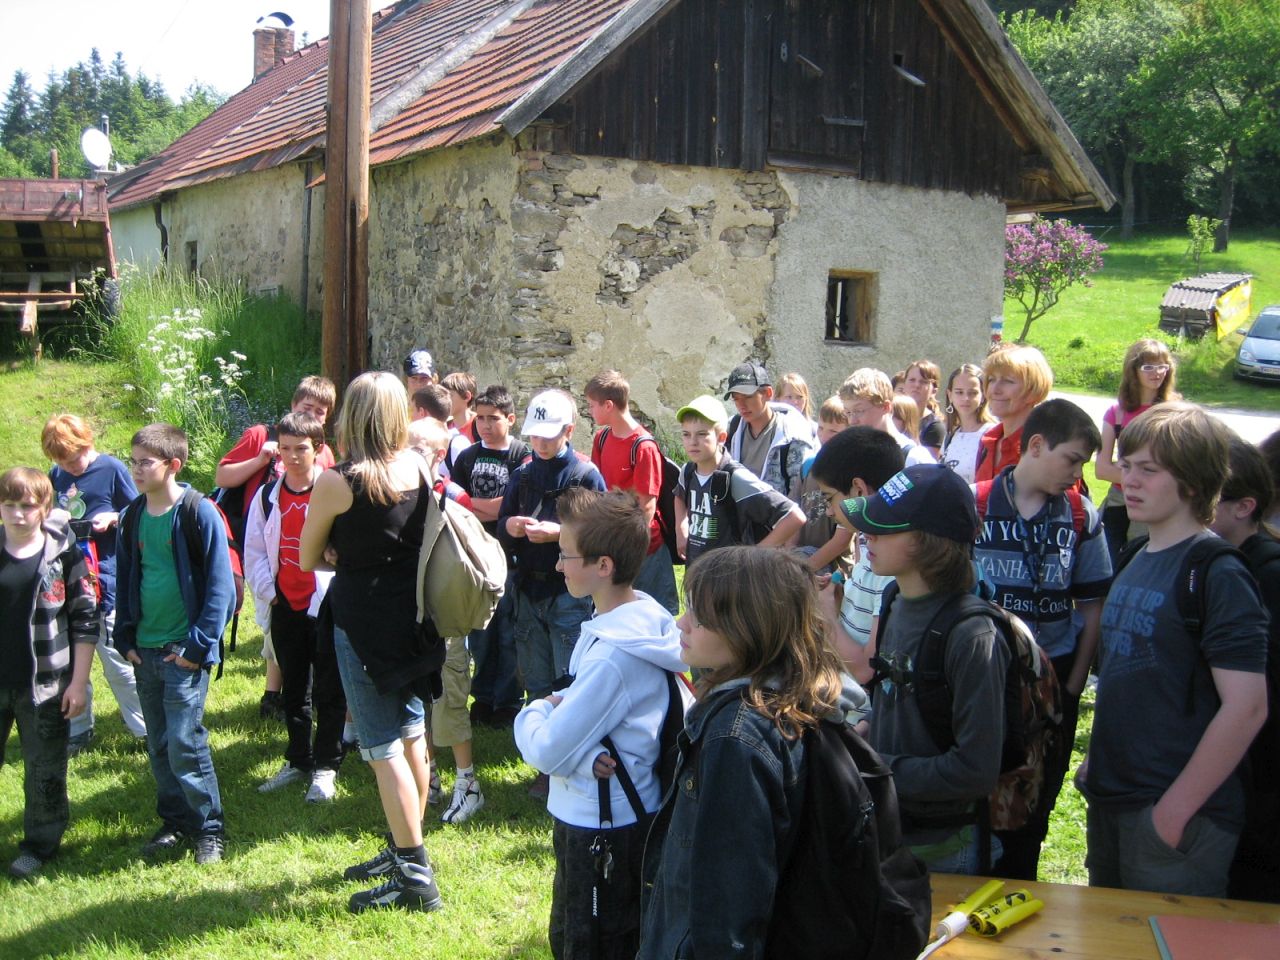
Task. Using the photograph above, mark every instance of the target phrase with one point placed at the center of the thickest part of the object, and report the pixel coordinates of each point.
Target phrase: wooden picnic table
(1082, 922)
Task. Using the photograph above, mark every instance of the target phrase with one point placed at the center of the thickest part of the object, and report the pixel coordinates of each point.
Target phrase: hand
(516, 525)
(330, 555)
(604, 766)
(104, 522)
(73, 701)
(132, 657)
(542, 531)
(555, 699)
(268, 452)
(1169, 827)
(179, 661)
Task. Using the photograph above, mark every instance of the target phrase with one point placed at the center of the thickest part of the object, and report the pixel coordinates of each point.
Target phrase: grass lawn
(1085, 336)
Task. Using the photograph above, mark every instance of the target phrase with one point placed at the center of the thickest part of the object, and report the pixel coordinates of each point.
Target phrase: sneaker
(379, 865)
(165, 840)
(467, 799)
(79, 743)
(286, 775)
(26, 866)
(271, 706)
(210, 848)
(435, 792)
(408, 886)
(540, 786)
(324, 786)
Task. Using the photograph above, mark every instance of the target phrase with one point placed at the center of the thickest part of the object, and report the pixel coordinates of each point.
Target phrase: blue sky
(176, 41)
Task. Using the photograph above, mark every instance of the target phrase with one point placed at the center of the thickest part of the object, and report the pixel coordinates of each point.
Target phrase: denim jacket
(713, 856)
(210, 601)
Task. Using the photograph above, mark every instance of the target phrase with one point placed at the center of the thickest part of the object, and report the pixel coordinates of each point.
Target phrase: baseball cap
(549, 413)
(747, 378)
(927, 497)
(419, 364)
(707, 407)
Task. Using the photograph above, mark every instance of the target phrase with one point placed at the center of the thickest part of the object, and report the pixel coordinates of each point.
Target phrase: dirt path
(1253, 426)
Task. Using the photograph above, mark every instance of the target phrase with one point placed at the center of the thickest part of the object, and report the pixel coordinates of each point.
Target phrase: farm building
(664, 186)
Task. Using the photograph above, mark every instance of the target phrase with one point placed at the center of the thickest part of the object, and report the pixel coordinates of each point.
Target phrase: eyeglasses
(1154, 368)
(564, 556)
(145, 464)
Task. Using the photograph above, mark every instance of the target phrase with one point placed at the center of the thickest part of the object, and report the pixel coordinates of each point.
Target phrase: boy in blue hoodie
(171, 609)
(619, 691)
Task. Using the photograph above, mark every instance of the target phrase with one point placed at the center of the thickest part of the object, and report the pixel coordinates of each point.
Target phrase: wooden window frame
(861, 326)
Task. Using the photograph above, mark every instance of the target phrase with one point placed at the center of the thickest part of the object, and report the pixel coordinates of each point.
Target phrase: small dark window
(850, 306)
(193, 262)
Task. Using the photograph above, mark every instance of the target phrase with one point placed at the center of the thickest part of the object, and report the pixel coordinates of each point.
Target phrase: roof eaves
(1023, 102)
(574, 68)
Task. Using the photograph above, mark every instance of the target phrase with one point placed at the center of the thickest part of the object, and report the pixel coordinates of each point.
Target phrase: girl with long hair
(754, 629)
(366, 517)
(1148, 378)
(967, 420)
(921, 384)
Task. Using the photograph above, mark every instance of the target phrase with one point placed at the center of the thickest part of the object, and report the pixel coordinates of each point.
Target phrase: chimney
(270, 46)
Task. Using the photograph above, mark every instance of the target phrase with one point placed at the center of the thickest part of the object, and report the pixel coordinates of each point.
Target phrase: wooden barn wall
(707, 85)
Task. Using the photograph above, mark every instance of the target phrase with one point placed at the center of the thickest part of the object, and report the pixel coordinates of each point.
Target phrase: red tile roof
(281, 116)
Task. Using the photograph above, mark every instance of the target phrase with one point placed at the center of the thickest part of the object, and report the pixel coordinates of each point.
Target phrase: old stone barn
(664, 186)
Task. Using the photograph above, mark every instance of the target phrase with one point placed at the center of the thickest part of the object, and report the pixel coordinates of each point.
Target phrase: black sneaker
(165, 841)
(271, 706)
(376, 867)
(408, 886)
(210, 848)
(25, 866)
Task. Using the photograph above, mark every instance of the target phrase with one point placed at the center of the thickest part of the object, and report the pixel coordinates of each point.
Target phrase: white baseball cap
(549, 413)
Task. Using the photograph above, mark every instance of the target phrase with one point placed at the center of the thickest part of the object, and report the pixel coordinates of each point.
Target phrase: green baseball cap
(707, 407)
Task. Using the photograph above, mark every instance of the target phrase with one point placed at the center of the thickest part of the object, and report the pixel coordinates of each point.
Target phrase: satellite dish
(96, 148)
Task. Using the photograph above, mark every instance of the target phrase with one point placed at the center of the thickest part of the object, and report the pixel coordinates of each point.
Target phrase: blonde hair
(945, 565)
(983, 414)
(867, 384)
(1146, 351)
(65, 435)
(832, 411)
(764, 604)
(907, 410)
(796, 383)
(1192, 445)
(21, 483)
(373, 427)
(1027, 364)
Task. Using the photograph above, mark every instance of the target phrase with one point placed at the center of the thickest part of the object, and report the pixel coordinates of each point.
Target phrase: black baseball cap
(419, 364)
(747, 378)
(927, 497)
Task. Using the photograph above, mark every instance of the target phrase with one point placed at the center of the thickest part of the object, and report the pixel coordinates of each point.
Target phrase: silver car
(1259, 354)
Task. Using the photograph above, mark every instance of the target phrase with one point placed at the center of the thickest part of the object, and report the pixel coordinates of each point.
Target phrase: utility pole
(345, 330)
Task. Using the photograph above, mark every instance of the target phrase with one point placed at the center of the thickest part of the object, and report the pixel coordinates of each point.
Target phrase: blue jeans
(496, 681)
(383, 720)
(958, 853)
(657, 578)
(172, 700)
(546, 632)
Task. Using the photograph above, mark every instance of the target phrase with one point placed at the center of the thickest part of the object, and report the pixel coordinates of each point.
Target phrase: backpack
(462, 570)
(849, 887)
(1032, 704)
(720, 488)
(680, 698)
(666, 505)
(230, 503)
(188, 513)
(982, 496)
(735, 421)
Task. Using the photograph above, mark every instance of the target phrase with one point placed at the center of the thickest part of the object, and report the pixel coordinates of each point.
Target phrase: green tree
(1091, 65)
(19, 110)
(1218, 89)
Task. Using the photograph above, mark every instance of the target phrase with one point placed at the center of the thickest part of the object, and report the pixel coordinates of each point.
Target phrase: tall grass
(208, 356)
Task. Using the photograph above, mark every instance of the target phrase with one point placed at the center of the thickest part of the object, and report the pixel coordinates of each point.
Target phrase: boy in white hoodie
(619, 690)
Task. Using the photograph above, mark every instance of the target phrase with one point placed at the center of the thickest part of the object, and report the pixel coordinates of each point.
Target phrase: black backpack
(679, 697)
(849, 888)
(666, 506)
(231, 502)
(721, 488)
(1032, 708)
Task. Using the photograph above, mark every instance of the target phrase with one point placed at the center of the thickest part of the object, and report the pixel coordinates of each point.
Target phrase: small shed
(1219, 300)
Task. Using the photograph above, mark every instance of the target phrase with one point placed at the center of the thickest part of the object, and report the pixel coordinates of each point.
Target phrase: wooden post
(344, 332)
(53, 164)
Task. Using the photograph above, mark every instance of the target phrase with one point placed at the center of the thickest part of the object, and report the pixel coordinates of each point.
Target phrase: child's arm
(76, 696)
(205, 634)
(682, 525)
(329, 497)
(80, 607)
(486, 508)
(856, 656)
(557, 735)
(832, 550)
(1104, 465)
(248, 458)
(785, 529)
(1086, 645)
(1219, 752)
(257, 564)
(124, 637)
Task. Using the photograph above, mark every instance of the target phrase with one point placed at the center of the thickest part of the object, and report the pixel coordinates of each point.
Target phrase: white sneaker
(435, 793)
(324, 786)
(467, 799)
(286, 775)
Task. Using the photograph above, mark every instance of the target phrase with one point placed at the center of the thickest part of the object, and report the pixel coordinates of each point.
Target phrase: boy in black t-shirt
(1175, 712)
(483, 470)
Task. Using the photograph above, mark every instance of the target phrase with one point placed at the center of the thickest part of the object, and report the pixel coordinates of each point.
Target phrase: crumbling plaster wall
(249, 227)
(938, 258)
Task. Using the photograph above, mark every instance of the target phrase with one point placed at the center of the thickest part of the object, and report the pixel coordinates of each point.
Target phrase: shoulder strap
(783, 454)
(1078, 518)
(624, 780)
(635, 447)
(597, 446)
(188, 520)
(1193, 594)
(982, 496)
(265, 497)
(129, 522)
(1127, 553)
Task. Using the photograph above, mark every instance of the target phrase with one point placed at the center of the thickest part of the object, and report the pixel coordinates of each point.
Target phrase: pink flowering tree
(1041, 259)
